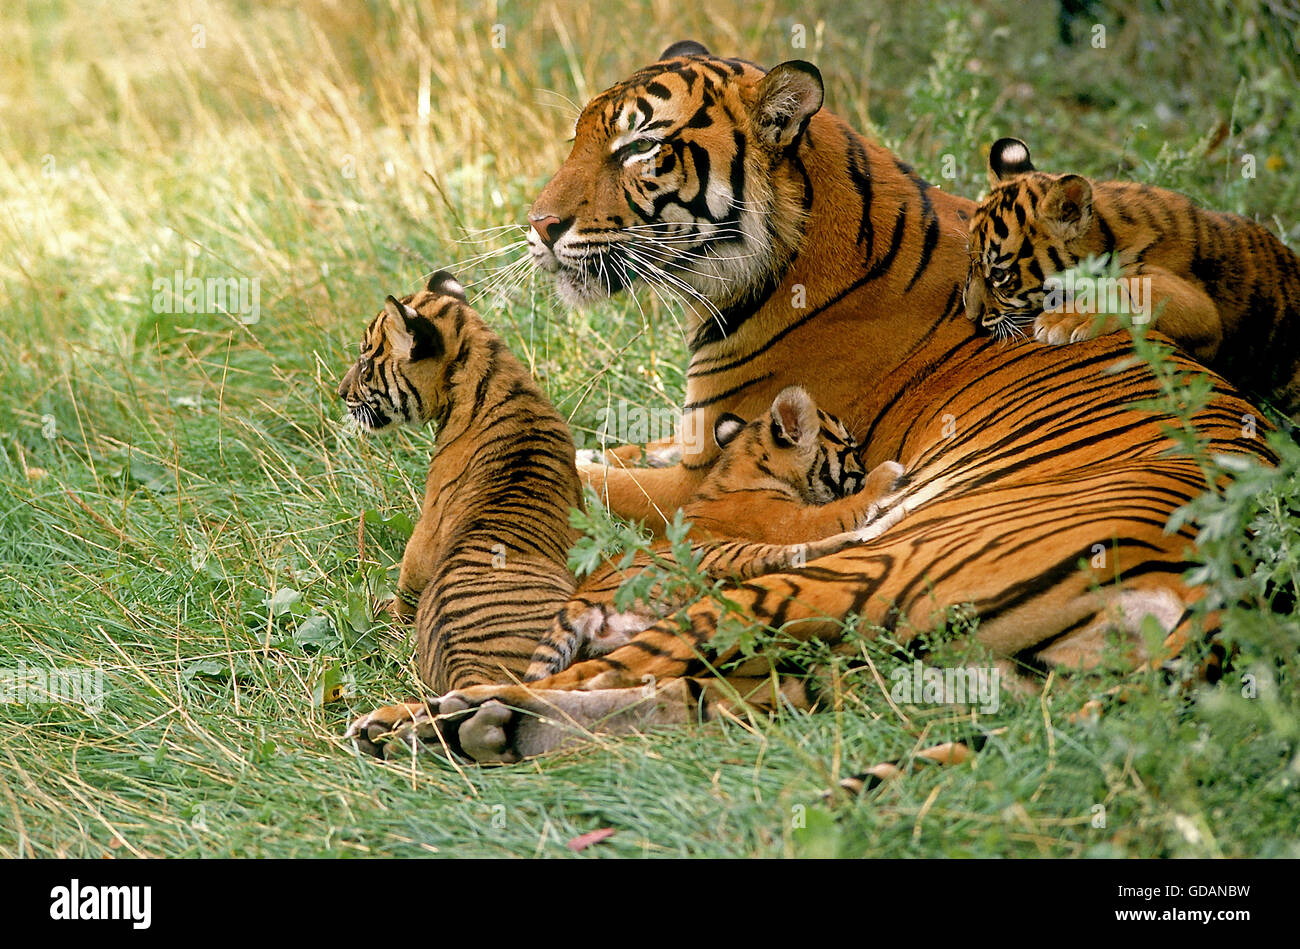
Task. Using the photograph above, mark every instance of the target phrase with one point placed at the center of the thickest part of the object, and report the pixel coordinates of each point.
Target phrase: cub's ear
(1068, 205)
(398, 315)
(448, 286)
(794, 418)
(410, 334)
(726, 428)
(789, 95)
(1007, 158)
(684, 48)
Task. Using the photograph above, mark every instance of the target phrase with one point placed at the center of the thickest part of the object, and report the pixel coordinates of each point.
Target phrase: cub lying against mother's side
(1221, 286)
(486, 565)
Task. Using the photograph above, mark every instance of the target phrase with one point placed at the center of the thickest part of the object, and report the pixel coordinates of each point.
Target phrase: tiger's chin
(1010, 325)
(578, 288)
(363, 418)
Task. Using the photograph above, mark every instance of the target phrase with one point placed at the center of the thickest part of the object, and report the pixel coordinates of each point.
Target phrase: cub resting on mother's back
(1223, 287)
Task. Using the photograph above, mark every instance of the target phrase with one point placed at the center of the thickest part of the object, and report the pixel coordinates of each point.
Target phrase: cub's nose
(549, 228)
(346, 385)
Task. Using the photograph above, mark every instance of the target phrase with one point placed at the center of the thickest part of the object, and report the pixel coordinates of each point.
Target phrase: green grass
(181, 507)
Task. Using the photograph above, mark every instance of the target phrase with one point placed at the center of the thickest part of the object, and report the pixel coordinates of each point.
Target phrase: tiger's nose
(345, 384)
(550, 228)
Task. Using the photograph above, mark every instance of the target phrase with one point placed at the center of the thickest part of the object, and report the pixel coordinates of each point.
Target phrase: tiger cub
(486, 567)
(1230, 290)
(788, 488)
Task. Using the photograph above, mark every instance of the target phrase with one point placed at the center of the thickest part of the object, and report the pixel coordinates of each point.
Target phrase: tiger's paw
(395, 610)
(883, 478)
(372, 730)
(1057, 329)
(471, 724)
(502, 724)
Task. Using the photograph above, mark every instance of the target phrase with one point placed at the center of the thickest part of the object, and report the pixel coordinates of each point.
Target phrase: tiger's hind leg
(504, 724)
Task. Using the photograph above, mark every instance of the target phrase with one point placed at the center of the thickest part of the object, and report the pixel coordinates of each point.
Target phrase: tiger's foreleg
(651, 495)
(417, 568)
(659, 453)
(1182, 311)
(1176, 307)
(502, 724)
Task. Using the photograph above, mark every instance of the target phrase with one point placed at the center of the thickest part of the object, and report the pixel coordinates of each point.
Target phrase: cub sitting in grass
(485, 569)
(1221, 286)
(486, 564)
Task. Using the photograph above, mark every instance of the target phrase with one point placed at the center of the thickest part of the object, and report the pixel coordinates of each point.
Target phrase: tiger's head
(680, 176)
(807, 450)
(401, 373)
(1031, 226)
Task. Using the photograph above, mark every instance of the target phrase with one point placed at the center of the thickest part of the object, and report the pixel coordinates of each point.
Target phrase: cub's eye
(363, 365)
(1000, 276)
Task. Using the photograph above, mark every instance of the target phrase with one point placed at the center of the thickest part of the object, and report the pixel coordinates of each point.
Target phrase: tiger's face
(679, 176)
(796, 443)
(1030, 227)
(401, 376)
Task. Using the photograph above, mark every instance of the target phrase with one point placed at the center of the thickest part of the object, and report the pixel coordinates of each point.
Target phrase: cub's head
(1032, 225)
(684, 176)
(401, 373)
(807, 450)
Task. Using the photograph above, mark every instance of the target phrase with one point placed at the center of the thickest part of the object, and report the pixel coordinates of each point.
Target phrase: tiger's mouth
(597, 275)
(699, 261)
(369, 418)
(1009, 324)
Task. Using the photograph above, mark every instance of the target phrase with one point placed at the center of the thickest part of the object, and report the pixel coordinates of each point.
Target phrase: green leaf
(316, 631)
(819, 837)
(282, 601)
(331, 685)
(398, 523)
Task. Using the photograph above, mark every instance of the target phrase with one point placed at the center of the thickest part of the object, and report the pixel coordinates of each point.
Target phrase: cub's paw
(1057, 329)
(663, 457)
(395, 609)
(883, 478)
(468, 725)
(372, 731)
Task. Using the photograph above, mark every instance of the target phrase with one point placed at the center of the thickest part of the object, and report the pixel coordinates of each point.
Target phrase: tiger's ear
(794, 418)
(789, 95)
(684, 48)
(398, 315)
(1068, 205)
(446, 285)
(411, 335)
(1007, 158)
(726, 428)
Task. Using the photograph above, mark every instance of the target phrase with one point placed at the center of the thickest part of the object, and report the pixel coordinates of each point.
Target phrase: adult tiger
(1034, 490)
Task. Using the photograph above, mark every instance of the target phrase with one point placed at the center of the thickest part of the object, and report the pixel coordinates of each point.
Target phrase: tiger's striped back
(488, 556)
